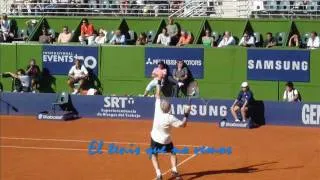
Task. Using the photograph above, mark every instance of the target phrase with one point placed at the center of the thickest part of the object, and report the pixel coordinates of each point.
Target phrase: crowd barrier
(203, 110)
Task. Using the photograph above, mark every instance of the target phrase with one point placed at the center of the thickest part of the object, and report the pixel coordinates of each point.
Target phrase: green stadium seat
(281, 37)
(21, 33)
(215, 36)
(52, 33)
(257, 37)
(304, 38)
(151, 36)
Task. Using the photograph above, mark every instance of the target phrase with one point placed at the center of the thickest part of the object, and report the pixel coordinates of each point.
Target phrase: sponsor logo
(236, 125)
(189, 62)
(69, 57)
(311, 114)
(278, 65)
(51, 117)
(117, 102)
(201, 110)
(222, 123)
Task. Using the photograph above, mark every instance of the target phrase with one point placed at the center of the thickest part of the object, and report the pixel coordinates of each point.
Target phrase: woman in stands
(294, 41)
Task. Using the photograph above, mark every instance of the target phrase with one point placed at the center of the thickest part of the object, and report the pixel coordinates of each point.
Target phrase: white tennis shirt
(162, 124)
(78, 73)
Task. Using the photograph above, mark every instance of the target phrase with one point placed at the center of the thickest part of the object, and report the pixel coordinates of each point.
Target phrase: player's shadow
(247, 169)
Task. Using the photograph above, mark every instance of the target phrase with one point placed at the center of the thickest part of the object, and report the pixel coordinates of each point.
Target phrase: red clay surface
(49, 150)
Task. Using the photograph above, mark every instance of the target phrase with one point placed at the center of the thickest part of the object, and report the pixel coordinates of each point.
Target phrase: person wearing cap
(158, 74)
(244, 99)
(291, 94)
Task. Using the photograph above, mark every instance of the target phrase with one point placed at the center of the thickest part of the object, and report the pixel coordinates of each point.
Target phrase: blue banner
(278, 65)
(275, 113)
(59, 59)
(193, 57)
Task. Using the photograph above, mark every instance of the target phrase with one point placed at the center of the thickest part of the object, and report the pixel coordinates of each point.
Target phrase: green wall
(121, 72)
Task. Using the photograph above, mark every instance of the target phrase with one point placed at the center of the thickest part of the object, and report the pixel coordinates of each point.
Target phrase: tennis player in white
(161, 133)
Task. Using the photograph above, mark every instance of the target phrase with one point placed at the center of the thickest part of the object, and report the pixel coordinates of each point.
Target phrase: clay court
(50, 150)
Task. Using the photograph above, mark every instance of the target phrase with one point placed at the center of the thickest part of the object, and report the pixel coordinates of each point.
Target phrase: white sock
(174, 169)
(158, 172)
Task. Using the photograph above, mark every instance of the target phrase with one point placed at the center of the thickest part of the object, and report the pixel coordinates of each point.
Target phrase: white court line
(67, 149)
(182, 162)
(84, 141)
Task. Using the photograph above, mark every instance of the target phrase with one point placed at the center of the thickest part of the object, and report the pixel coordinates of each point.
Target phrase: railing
(181, 8)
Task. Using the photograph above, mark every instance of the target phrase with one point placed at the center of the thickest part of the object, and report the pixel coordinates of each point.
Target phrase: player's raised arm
(158, 89)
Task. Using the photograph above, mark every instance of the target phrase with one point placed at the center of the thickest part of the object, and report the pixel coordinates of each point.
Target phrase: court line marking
(179, 164)
(70, 149)
(85, 141)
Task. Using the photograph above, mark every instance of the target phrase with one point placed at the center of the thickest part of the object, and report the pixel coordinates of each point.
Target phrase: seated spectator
(5, 25)
(65, 36)
(185, 39)
(158, 74)
(45, 38)
(181, 77)
(33, 71)
(22, 80)
(87, 32)
(270, 41)
(207, 39)
(172, 30)
(101, 38)
(291, 94)
(118, 38)
(142, 39)
(31, 26)
(164, 38)
(313, 41)
(294, 41)
(247, 40)
(77, 74)
(243, 101)
(227, 40)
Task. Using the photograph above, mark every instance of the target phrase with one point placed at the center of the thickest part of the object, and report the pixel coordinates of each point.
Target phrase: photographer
(22, 81)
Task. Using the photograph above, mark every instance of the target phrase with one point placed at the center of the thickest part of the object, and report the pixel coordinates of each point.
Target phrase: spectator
(185, 39)
(45, 38)
(77, 74)
(313, 41)
(227, 40)
(207, 40)
(102, 38)
(33, 71)
(65, 36)
(247, 40)
(5, 25)
(270, 41)
(31, 26)
(142, 39)
(172, 30)
(118, 38)
(158, 74)
(243, 101)
(294, 41)
(164, 38)
(180, 78)
(87, 32)
(22, 81)
(291, 94)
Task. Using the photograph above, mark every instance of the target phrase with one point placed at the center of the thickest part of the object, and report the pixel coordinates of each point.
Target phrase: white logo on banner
(311, 114)
(119, 107)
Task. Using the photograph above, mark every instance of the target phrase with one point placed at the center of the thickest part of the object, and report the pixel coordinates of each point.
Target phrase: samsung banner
(275, 113)
(193, 57)
(59, 59)
(278, 65)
